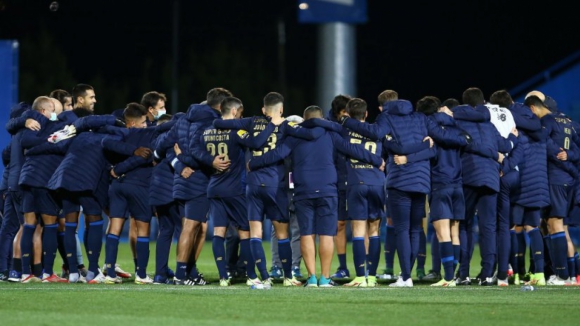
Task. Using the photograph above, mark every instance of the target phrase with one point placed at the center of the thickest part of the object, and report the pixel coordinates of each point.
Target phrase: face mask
(159, 114)
(53, 117)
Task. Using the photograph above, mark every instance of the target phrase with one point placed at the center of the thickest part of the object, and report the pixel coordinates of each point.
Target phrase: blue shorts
(365, 202)
(447, 203)
(342, 206)
(561, 199)
(129, 200)
(86, 199)
(195, 209)
(69, 207)
(39, 201)
(230, 210)
(269, 202)
(521, 216)
(317, 216)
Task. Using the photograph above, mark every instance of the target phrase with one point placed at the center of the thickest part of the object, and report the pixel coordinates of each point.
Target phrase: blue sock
(61, 248)
(86, 236)
(70, 244)
(422, 255)
(259, 257)
(571, 266)
(135, 260)
(390, 245)
(142, 248)
(514, 250)
(559, 259)
(374, 255)
(537, 247)
(436, 255)
(522, 246)
(111, 252)
(26, 247)
(577, 262)
(285, 253)
(163, 247)
(180, 270)
(447, 258)
(342, 261)
(548, 243)
(246, 257)
(49, 247)
(456, 256)
(219, 254)
(359, 255)
(95, 242)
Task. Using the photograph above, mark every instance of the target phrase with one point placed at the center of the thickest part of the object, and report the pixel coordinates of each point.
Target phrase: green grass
(131, 304)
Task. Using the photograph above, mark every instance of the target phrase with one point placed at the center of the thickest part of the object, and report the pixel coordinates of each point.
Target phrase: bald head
(539, 94)
(57, 106)
(44, 105)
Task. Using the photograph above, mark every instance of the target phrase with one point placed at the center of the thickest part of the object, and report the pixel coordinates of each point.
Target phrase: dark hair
(80, 90)
(450, 103)
(229, 103)
(501, 98)
(356, 108)
(216, 95)
(272, 99)
(134, 110)
(473, 96)
(428, 105)
(60, 95)
(312, 111)
(387, 96)
(535, 101)
(339, 103)
(150, 99)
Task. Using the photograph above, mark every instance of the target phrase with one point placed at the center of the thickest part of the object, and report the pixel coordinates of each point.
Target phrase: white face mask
(159, 114)
(53, 117)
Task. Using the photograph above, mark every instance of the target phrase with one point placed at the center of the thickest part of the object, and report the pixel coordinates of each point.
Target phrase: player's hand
(446, 110)
(177, 149)
(430, 141)
(220, 163)
(515, 132)
(500, 157)
(187, 172)
(382, 167)
(500, 173)
(144, 152)
(562, 155)
(400, 159)
(113, 174)
(32, 125)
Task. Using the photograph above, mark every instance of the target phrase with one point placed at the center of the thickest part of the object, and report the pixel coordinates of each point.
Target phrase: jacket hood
(18, 109)
(398, 107)
(198, 112)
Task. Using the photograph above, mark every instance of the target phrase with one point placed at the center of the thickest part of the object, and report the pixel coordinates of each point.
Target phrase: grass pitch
(131, 304)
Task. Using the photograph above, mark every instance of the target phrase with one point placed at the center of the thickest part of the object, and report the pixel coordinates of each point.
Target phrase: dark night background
(123, 48)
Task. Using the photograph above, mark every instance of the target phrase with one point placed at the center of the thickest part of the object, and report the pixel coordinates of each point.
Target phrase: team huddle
(512, 167)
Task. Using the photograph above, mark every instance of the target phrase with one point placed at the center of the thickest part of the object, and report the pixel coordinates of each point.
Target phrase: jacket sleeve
(93, 122)
(452, 137)
(117, 145)
(309, 132)
(527, 122)
(245, 123)
(481, 149)
(271, 157)
(374, 131)
(165, 142)
(355, 151)
(15, 124)
(48, 148)
(510, 162)
(422, 155)
(505, 145)
(244, 138)
(130, 164)
(31, 138)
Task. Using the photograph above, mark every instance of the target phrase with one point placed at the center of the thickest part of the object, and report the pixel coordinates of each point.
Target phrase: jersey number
(370, 146)
(270, 144)
(222, 149)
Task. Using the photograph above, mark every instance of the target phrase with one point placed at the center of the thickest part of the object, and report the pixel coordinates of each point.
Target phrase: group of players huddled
(512, 167)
